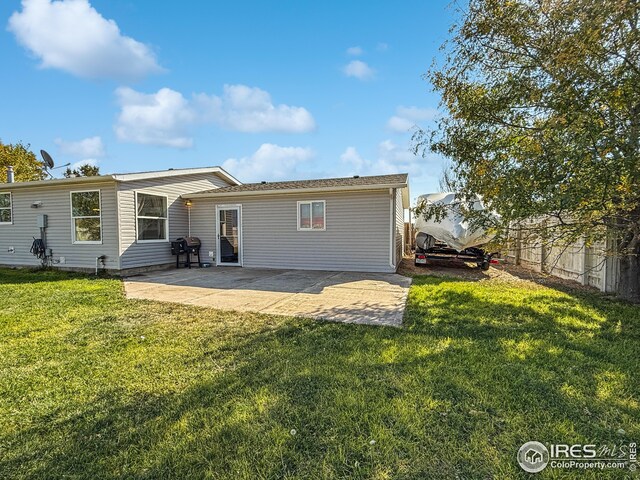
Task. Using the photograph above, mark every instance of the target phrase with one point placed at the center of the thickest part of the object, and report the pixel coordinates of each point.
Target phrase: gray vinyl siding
(135, 254)
(56, 204)
(357, 236)
(399, 226)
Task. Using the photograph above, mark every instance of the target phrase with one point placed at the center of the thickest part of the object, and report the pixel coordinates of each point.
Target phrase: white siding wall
(136, 254)
(357, 232)
(56, 203)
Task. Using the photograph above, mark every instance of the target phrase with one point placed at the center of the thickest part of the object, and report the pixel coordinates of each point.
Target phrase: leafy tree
(542, 101)
(84, 170)
(26, 166)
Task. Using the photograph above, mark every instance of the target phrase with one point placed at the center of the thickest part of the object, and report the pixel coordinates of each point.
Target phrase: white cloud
(88, 161)
(71, 35)
(407, 117)
(249, 109)
(358, 69)
(391, 158)
(424, 171)
(269, 163)
(352, 158)
(416, 113)
(159, 118)
(355, 51)
(166, 117)
(399, 124)
(90, 147)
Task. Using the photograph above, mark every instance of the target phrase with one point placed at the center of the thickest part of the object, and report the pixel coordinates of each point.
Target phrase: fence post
(585, 259)
(543, 247)
(518, 251)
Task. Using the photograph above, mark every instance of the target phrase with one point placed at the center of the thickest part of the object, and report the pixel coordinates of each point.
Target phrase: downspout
(410, 232)
(392, 222)
(188, 203)
(116, 192)
(403, 240)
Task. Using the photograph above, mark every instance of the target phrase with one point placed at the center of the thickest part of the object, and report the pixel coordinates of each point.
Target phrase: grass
(95, 386)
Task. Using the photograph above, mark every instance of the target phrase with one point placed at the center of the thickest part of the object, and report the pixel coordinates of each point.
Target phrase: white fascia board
(121, 177)
(406, 202)
(57, 182)
(130, 177)
(295, 191)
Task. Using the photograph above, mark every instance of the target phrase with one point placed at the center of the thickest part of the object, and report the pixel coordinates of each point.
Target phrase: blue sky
(270, 91)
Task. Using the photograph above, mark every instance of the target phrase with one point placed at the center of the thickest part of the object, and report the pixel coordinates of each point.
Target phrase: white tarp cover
(453, 230)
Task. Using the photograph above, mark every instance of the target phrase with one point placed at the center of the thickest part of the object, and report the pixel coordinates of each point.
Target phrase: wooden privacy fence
(596, 265)
(409, 236)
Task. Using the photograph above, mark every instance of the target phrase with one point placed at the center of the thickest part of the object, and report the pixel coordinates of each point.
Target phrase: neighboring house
(346, 224)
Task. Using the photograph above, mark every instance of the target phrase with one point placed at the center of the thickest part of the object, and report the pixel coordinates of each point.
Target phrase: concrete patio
(350, 297)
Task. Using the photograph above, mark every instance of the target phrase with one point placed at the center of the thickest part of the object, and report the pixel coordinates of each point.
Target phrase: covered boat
(452, 237)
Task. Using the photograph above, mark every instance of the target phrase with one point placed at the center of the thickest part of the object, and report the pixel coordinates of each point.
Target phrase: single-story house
(125, 222)
(129, 218)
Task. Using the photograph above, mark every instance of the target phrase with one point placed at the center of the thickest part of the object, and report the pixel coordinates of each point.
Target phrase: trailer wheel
(484, 265)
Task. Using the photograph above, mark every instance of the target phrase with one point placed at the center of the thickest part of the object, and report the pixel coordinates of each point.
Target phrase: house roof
(174, 172)
(124, 177)
(356, 181)
(318, 185)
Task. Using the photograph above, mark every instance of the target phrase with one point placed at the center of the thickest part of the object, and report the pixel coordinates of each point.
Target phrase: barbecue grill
(186, 246)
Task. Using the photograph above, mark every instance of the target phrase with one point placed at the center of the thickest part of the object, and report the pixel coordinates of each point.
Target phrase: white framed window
(6, 209)
(312, 215)
(86, 217)
(152, 218)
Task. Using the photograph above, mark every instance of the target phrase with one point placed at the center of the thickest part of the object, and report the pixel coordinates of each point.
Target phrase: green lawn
(95, 386)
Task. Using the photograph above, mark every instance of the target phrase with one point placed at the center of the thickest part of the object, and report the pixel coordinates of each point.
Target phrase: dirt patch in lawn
(500, 272)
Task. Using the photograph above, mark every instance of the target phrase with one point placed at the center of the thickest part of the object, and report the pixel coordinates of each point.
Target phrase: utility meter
(42, 221)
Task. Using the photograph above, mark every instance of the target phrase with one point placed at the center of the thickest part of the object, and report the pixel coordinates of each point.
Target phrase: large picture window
(85, 217)
(152, 218)
(311, 215)
(6, 215)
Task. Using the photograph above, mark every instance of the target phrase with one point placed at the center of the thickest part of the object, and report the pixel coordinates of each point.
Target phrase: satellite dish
(48, 161)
